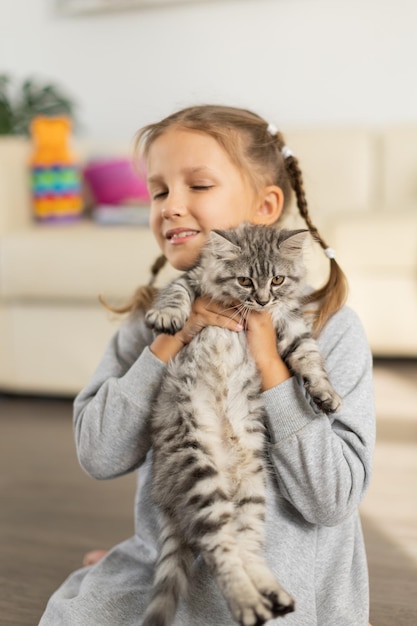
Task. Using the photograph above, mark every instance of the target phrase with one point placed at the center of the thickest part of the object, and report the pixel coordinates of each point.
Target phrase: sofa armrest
(15, 209)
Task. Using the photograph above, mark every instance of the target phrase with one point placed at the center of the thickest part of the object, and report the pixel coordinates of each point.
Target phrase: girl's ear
(270, 205)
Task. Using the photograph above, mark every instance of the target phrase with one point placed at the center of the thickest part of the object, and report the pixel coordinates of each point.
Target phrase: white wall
(297, 62)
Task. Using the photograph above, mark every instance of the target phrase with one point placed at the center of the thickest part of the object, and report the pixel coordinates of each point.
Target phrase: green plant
(18, 106)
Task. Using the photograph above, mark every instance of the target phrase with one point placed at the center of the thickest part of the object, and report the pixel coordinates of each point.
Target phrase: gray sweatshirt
(320, 468)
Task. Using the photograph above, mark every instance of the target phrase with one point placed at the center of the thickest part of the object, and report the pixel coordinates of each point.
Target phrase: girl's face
(194, 188)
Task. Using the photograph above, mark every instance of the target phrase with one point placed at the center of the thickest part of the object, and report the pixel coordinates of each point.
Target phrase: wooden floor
(389, 511)
(51, 513)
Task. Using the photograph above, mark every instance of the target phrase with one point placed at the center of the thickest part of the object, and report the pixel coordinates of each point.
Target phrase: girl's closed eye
(155, 195)
(201, 187)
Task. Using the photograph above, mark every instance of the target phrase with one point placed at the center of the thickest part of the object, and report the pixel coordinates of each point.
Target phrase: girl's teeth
(186, 233)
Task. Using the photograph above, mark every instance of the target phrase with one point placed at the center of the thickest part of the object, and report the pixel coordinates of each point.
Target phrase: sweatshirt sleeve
(111, 414)
(323, 463)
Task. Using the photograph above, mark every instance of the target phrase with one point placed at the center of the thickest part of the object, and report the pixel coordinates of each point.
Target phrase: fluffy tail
(171, 581)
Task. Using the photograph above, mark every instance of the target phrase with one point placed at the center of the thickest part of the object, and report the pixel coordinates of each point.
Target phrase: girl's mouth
(180, 235)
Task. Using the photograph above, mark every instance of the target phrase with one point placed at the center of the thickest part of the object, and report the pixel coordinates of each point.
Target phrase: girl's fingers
(214, 314)
(224, 321)
(207, 313)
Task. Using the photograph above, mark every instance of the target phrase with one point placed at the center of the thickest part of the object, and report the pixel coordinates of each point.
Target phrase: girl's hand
(262, 342)
(204, 313)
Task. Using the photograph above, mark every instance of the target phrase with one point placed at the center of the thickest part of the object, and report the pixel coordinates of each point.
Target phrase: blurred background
(298, 62)
(339, 79)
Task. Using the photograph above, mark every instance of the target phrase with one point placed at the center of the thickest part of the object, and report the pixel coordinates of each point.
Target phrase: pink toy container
(114, 181)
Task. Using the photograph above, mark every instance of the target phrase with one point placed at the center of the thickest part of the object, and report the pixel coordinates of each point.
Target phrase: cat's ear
(221, 242)
(292, 242)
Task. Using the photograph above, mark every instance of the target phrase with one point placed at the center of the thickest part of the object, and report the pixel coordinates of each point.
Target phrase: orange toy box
(55, 173)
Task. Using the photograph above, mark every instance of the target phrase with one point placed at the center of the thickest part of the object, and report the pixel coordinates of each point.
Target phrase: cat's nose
(262, 302)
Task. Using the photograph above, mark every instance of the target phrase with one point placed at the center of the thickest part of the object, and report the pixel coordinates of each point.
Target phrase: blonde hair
(257, 152)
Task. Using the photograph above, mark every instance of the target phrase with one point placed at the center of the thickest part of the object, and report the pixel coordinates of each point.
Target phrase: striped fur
(208, 427)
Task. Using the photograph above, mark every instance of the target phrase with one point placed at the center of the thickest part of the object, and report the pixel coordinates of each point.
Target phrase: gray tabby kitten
(208, 427)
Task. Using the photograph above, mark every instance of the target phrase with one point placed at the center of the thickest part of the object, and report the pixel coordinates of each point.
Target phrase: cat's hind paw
(168, 320)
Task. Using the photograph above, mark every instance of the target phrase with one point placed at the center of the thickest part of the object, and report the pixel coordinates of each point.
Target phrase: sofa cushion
(339, 168)
(52, 348)
(385, 244)
(75, 262)
(387, 306)
(399, 169)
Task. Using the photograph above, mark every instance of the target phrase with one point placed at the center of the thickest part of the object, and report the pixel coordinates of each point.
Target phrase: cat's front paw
(255, 610)
(326, 399)
(168, 320)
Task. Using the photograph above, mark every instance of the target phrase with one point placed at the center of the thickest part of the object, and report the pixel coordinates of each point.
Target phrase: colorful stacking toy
(55, 174)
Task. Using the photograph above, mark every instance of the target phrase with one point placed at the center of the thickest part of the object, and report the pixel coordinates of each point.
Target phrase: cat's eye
(278, 280)
(244, 281)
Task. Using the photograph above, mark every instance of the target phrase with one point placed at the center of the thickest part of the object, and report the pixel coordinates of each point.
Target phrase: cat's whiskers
(244, 311)
(241, 311)
(236, 308)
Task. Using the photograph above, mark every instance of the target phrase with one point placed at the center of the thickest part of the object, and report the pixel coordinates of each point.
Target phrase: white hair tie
(286, 152)
(272, 130)
(330, 253)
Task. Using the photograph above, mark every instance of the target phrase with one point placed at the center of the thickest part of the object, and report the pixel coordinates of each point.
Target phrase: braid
(332, 296)
(144, 296)
(156, 267)
(295, 176)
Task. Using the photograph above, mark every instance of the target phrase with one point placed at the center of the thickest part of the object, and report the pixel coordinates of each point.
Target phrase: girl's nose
(173, 206)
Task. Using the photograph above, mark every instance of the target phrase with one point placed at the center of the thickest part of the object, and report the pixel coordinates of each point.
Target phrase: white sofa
(362, 189)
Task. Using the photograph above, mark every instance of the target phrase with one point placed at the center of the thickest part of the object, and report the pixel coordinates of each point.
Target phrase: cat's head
(258, 266)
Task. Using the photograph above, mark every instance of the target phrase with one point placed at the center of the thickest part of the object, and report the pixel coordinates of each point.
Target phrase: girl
(215, 167)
